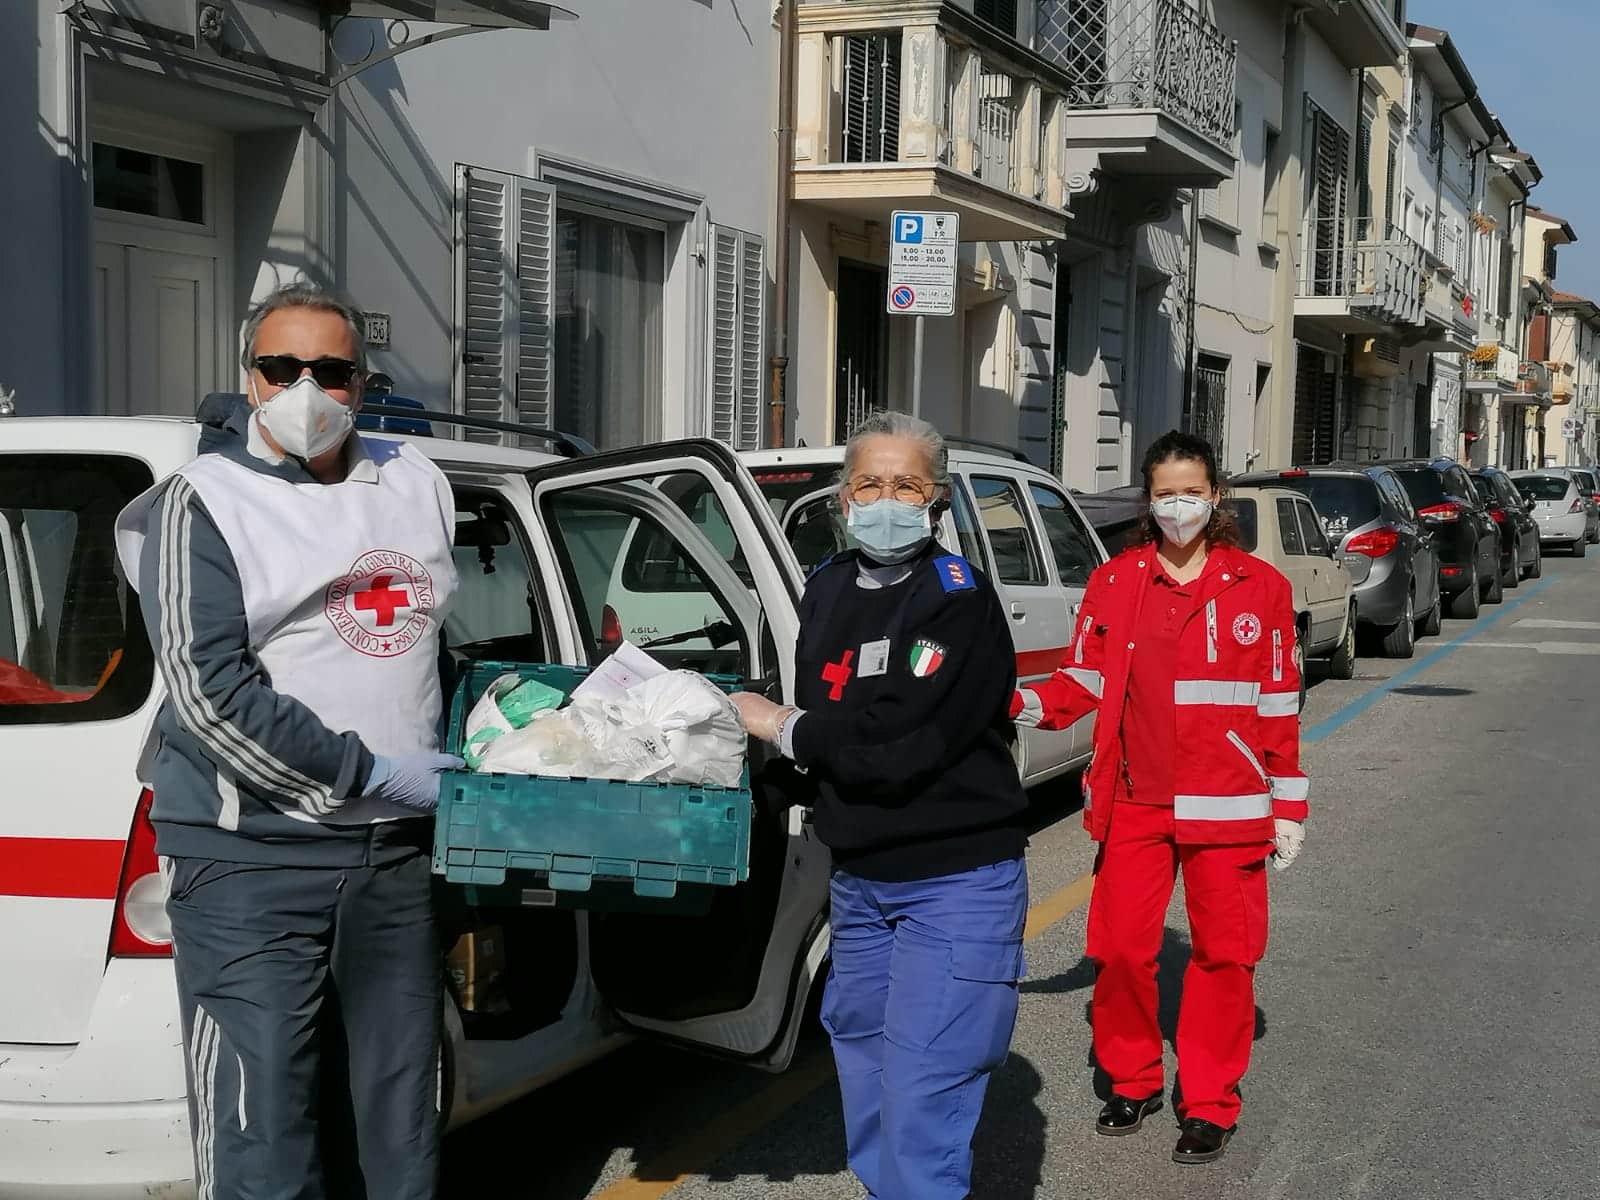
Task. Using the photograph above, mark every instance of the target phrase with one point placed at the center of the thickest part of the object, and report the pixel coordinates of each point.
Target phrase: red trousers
(1225, 888)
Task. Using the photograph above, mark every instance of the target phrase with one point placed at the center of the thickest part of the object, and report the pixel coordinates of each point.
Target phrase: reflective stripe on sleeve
(1090, 681)
(1291, 787)
(1278, 704)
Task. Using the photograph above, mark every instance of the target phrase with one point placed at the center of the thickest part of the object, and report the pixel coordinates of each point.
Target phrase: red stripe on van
(1040, 662)
(61, 868)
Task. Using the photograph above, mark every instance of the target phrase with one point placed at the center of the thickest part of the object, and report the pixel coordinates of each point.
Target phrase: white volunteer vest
(346, 587)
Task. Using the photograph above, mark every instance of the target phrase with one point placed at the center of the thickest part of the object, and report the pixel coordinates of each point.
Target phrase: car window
(1459, 482)
(782, 486)
(1316, 541)
(1017, 554)
(1246, 522)
(74, 647)
(816, 531)
(1587, 481)
(1070, 542)
(495, 614)
(1398, 495)
(1543, 487)
(668, 595)
(654, 563)
(1424, 486)
(1346, 502)
(967, 528)
(1289, 528)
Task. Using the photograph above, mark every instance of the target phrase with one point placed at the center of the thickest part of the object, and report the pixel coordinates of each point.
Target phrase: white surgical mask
(304, 420)
(889, 530)
(1182, 518)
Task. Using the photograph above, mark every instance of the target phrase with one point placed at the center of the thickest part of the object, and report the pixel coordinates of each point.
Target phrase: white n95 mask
(1182, 518)
(304, 420)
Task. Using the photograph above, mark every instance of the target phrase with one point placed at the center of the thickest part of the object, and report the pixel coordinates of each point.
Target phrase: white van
(91, 1064)
(1011, 519)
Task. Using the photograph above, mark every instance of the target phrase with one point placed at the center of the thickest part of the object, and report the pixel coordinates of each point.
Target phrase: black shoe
(1201, 1141)
(1122, 1116)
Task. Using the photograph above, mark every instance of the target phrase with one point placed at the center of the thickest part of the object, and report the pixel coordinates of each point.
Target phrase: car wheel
(1401, 640)
(1512, 575)
(1580, 548)
(1433, 623)
(1493, 591)
(1343, 663)
(1536, 567)
(1464, 605)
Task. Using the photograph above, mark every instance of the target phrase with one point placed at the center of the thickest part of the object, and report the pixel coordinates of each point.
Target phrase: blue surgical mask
(890, 531)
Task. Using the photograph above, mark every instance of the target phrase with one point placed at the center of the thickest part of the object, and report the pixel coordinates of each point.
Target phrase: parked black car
(1115, 514)
(1381, 542)
(1465, 534)
(1520, 556)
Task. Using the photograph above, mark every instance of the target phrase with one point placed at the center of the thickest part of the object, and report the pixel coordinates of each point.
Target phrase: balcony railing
(1143, 54)
(1533, 379)
(922, 84)
(1501, 370)
(1372, 265)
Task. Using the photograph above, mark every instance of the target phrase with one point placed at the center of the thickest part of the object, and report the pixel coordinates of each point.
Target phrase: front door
(861, 336)
(677, 543)
(162, 334)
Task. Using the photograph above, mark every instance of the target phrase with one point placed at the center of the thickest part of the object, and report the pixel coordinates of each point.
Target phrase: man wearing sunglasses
(294, 578)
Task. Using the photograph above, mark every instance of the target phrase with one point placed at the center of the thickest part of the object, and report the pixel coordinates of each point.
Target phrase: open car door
(682, 530)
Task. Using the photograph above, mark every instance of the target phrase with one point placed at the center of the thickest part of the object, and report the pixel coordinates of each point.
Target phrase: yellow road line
(662, 1174)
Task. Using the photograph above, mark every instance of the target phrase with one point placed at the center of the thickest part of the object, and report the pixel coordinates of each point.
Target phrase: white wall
(673, 94)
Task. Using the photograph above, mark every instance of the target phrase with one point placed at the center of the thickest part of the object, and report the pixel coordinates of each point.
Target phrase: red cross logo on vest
(381, 606)
(838, 674)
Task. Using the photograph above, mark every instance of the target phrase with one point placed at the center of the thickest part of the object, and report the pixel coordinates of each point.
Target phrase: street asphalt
(1427, 1021)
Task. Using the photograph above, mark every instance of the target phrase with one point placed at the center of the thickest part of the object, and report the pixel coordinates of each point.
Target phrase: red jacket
(1238, 697)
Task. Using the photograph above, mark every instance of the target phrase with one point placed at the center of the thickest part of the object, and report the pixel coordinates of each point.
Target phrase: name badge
(874, 658)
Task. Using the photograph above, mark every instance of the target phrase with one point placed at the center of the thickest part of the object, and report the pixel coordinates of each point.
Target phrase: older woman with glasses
(906, 669)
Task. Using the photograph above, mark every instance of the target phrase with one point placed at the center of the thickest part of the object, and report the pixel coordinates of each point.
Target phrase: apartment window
(1328, 180)
(1002, 14)
(1391, 177)
(608, 293)
(1505, 277)
(1416, 109)
(1205, 413)
(1364, 172)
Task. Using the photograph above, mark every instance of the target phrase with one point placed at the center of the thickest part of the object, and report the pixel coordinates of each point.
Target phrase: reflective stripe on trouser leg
(853, 1011)
(951, 1010)
(1134, 875)
(250, 962)
(1225, 889)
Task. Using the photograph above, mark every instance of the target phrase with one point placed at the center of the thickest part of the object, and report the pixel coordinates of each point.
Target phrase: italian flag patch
(926, 658)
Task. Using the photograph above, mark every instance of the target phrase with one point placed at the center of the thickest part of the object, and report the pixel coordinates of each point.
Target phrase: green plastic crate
(570, 834)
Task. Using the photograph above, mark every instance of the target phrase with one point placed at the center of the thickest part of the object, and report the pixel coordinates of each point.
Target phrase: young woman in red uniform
(1186, 647)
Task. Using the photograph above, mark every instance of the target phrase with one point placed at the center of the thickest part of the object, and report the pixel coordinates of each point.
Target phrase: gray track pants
(311, 1004)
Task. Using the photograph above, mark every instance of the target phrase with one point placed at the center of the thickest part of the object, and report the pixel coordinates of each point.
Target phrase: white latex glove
(1289, 837)
(761, 717)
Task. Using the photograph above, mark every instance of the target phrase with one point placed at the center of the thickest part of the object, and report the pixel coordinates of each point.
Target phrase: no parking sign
(922, 263)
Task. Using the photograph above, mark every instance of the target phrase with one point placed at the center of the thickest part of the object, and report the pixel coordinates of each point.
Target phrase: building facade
(539, 232)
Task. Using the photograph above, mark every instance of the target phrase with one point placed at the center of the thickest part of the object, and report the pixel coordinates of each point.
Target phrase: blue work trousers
(920, 1006)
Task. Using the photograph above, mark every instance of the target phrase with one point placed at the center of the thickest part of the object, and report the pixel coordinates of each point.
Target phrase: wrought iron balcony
(905, 102)
(1492, 368)
(1143, 54)
(1359, 275)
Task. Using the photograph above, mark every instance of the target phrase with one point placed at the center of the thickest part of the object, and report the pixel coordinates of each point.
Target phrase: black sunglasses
(331, 374)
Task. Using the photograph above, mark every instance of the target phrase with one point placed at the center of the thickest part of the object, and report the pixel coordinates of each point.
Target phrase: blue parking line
(1366, 700)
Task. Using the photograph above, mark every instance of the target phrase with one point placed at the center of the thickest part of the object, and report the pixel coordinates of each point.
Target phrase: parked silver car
(1565, 513)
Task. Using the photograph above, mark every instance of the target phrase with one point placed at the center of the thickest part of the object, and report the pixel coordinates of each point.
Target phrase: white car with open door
(92, 1099)
(1011, 519)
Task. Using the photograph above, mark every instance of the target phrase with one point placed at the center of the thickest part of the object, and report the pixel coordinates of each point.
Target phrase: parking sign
(924, 252)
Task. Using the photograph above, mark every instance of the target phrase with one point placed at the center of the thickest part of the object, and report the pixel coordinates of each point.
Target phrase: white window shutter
(483, 296)
(738, 320)
(505, 321)
(536, 326)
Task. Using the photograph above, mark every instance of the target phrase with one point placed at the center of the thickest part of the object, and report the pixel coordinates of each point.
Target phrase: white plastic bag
(551, 744)
(701, 727)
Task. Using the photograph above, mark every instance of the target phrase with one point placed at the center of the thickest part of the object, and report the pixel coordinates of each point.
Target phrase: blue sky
(1534, 61)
